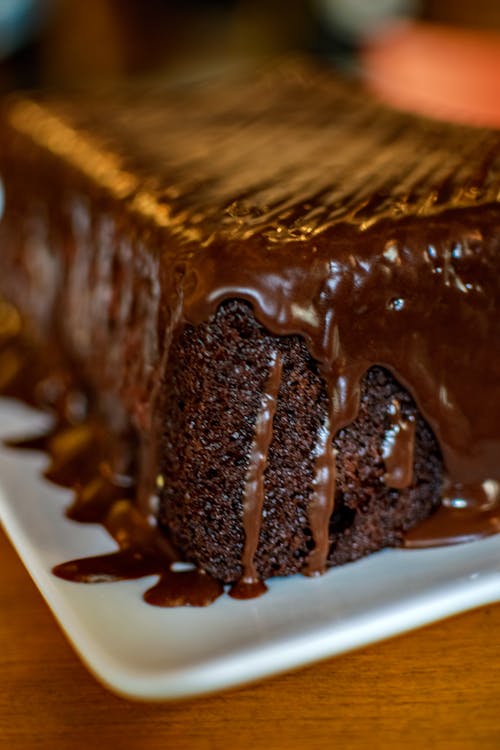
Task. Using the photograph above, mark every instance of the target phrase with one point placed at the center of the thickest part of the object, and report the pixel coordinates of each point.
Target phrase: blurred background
(439, 56)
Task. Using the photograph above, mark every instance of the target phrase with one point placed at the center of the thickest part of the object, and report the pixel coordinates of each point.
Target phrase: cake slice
(284, 297)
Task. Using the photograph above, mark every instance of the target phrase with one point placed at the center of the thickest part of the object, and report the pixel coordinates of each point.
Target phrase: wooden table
(435, 688)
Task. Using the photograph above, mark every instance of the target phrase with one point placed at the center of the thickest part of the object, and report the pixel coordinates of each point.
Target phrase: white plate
(143, 652)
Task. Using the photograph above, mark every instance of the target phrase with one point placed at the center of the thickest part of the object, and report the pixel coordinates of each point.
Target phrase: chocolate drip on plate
(467, 513)
(122, 565)
(193, 588)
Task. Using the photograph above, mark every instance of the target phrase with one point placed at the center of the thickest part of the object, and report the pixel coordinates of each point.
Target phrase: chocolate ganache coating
(290, 293)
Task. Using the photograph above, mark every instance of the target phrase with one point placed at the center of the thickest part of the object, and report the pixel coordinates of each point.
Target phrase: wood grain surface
(436, 688)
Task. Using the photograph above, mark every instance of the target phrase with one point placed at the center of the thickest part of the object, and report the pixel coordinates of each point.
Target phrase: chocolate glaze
(254, 491)
(323, 497)
(440, 339)
(373, 235)
(398, 449)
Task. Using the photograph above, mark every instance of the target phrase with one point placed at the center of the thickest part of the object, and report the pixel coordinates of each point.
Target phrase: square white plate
(143, 652)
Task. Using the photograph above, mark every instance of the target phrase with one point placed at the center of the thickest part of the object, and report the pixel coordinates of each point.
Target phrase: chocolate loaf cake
(282, 300)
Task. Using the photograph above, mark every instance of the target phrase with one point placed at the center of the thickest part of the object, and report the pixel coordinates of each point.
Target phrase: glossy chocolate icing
(372, 234)
(404, 303)
(398, 448)
(253, 493)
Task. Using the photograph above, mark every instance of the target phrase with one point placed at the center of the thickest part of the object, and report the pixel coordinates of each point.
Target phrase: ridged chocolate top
(285, 156)
(373, 234)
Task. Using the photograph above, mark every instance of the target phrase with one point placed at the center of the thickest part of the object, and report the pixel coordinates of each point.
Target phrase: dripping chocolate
(286, 317)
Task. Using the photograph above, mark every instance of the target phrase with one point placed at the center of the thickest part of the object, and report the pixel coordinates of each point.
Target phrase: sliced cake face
(217, 389)
(290, 296)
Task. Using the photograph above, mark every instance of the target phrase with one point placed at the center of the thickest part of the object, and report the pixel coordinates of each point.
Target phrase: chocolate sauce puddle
(467, 513)
(125, 564)
(180, 588)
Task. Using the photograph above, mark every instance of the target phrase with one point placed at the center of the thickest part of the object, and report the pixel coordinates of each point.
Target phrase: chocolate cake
(282, 302)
